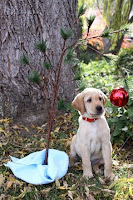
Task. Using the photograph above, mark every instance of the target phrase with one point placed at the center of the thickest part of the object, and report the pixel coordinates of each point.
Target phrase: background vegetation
(106, 74)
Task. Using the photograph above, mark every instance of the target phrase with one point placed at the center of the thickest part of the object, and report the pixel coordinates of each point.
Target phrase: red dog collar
(89, 120)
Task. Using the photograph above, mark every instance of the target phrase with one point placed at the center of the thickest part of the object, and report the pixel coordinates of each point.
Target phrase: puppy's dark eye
(100, 98)
(89, 100)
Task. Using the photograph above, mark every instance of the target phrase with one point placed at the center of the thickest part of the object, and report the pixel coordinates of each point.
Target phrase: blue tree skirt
(32, 170)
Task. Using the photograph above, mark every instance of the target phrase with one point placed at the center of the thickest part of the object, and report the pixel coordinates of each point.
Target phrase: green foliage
(87, 54)
(62, 105)
(122, 118)
(65, 34)
(46, 65)
(24, 60)
(34, 77)
(120, 121)
(107, 76)
(124, 56)
(90, 20)
(95, 69)
(71, 57)
(111, 59)
(85, 2)
(41, 46)
(81, 10)
(123, 187)
(125, 28)
(77, 75)
(106, 34)
(82, 84)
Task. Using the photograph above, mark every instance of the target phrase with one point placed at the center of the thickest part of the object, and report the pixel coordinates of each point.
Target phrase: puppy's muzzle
(99, 109)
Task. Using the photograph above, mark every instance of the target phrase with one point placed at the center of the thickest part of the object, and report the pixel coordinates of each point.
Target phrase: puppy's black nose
(99, 108)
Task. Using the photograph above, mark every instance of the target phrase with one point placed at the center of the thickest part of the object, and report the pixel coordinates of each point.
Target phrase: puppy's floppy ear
(78, 103)
(104, 98)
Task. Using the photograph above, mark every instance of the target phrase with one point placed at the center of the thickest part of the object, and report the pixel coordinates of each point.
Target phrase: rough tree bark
(22, 23)
(116, 14)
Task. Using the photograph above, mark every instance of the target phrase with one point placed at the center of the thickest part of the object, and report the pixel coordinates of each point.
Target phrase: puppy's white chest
(95, 144)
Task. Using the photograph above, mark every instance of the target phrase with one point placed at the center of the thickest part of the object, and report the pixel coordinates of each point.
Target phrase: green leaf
(82, 85)
(81, 10)
(111, 58)
(90, 20)
(115, 119)
(41, 46)
(125, 28)
(70, 54)
(61, 104)
(106, 34)
(46, 65)
(116, 132)
(24, 60)
(130, 112)
(62, 135)
(34, 77)
(77, 76)
(65, 34)
(71, 57)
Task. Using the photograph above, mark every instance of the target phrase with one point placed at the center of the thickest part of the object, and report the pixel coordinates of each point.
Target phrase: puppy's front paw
(87, 174)
(109, 175)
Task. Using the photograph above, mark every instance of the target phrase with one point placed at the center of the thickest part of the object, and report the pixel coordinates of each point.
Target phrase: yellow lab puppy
(92, 141)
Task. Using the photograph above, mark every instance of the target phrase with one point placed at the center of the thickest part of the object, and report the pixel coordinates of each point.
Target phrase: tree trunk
(22, 23)
(116, 14)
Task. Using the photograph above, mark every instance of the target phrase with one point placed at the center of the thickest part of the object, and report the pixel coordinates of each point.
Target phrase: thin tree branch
(124, 143)
(96, 50)
(112, 32)
(55, 92)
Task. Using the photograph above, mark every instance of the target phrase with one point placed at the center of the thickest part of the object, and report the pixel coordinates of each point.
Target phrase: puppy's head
(91, 100)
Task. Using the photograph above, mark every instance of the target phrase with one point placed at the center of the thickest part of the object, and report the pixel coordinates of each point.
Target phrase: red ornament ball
(119, 97)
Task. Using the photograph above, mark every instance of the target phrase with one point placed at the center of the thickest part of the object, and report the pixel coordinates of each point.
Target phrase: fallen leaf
(57, 183)
(2, 196)
(115, 162)
(65, 184)
(130, 166)
(6, 120)
(17, 127)
(102, 181)
(2, 131)
(13, 181)
(70, 194)
(2, 179)
(33, 126)
(26, 129)
(9, 184)
(45, 191)
(109, 191)
(130, 191)
(87, 192)
(21, 196)
(57, 129)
